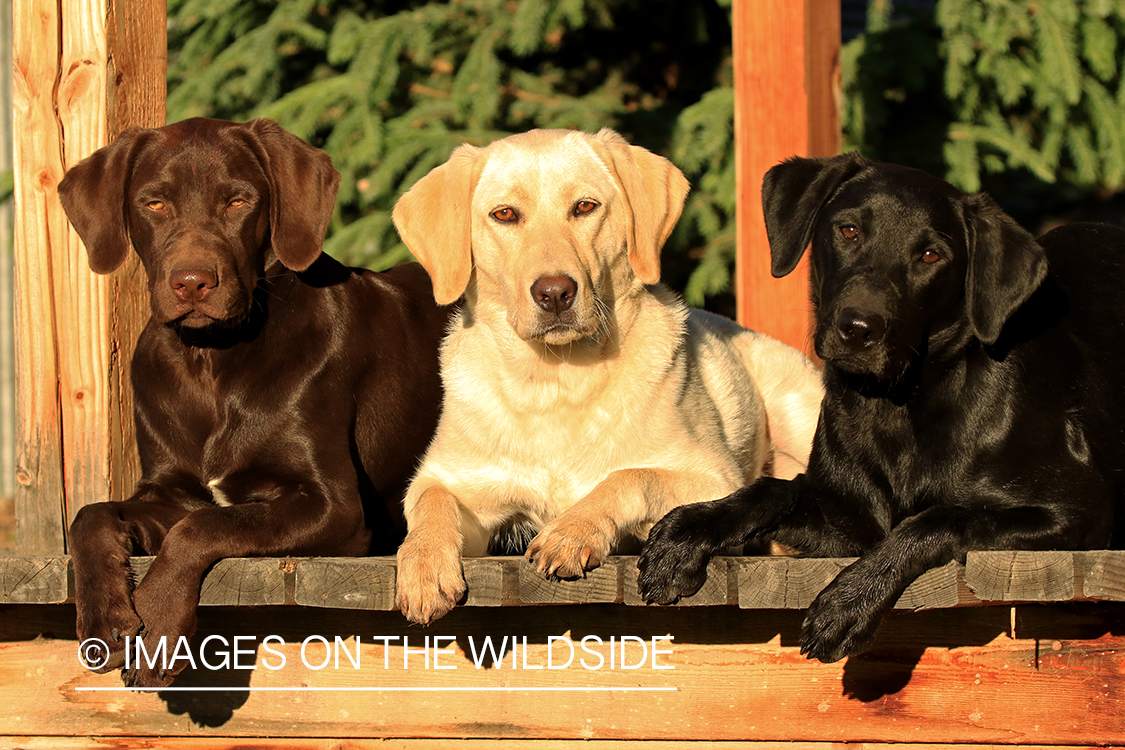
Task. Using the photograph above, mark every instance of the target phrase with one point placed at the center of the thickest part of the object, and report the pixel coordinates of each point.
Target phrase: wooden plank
(939, 588)
(493, 581)
(750, 582)
(40, 229)
(786, 69)
(246, 582)
(721, 587)
(601, 585)
(783, 582)
(137, 41)
(1022, 576)
(939, 677)
(34, 580)
(78, 82)
(340, 743)
(346, 583)
(1103, 575)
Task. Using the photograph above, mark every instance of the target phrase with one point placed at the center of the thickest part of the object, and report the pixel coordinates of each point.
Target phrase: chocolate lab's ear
(793, 192)
(433, 218)
(655, 191)
(93, 196)
(1006, 266)
(303, 186)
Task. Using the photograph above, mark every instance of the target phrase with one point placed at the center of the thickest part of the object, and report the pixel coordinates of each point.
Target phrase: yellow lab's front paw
(568, 547)
(430, 581)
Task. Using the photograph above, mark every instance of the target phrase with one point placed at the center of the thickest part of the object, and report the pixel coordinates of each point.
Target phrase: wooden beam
(987, 676)
(84, 70)
(368, 583)
(786, 81)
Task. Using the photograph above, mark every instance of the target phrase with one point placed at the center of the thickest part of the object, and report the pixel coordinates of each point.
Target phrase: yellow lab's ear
(433, 219)
(655, 191)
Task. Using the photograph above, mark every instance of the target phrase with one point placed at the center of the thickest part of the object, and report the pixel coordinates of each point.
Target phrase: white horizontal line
(482, 689)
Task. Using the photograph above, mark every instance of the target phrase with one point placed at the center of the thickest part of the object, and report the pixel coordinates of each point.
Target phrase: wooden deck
(1011, 648)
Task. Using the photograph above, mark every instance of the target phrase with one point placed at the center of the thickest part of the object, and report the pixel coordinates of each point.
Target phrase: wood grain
(84, 70)
(40, 230)
(954, 676)
(368, 583)
(786, 73)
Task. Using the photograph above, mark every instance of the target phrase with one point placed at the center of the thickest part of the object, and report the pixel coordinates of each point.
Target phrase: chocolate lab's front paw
(568, 547)
(102, 630)
(673, 563)
(430, 580)
(842, 620)
(153, 667)
(168, 614)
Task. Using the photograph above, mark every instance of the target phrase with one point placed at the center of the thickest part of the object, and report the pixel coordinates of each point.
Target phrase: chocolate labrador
(973, 394)
(282, 400)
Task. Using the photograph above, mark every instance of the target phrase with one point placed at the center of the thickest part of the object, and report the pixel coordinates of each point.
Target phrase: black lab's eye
(850, 231)
(930, 256)
(584, 207)
(505, 214)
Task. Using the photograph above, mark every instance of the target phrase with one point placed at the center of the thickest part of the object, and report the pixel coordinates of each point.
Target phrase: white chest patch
(217, 494)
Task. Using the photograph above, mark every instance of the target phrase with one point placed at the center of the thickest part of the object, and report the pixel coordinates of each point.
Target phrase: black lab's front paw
(674, 561)
(842, 620)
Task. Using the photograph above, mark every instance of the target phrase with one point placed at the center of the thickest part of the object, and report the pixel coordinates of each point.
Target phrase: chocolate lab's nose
(859, 329)
(192, 284)
(554, 294)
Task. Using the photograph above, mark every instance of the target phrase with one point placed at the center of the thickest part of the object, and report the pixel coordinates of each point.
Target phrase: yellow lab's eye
(584, 207)
(505, 214)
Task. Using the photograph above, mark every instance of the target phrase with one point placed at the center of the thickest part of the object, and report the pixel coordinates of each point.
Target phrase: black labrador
(974, 394)
(282, 399)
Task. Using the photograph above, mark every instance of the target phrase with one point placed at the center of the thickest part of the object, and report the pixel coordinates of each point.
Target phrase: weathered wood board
(368, 583)
(988, 675)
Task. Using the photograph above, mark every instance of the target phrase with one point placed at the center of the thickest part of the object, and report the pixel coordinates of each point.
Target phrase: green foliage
(390, 88)
(1024, 98)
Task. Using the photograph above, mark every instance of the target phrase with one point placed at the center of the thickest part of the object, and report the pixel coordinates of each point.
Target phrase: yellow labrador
(581, 397)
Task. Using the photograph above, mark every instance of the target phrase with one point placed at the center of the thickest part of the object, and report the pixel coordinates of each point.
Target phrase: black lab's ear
(1006, 265)
(793, 192)
(303, 186)
(93, 196)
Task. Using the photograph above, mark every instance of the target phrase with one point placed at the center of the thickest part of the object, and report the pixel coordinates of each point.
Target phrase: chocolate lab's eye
(850, 231)
(584, 207)
(236, 202)
(155, 205)
(505, 214)
(931, 256)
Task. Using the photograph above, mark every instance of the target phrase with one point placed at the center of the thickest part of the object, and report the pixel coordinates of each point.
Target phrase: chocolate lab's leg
(102, 538)
(299, 519)
(843, 619)
(794, 512)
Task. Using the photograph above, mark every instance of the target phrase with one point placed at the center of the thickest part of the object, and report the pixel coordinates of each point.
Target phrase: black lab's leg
(793, 512)
(843, 619)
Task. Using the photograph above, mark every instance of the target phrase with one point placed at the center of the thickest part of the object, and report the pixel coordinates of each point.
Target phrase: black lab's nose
(192, 284)
(554, 294)
(859, 329)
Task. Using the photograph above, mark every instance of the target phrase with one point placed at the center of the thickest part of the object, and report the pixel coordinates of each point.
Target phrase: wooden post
(83, 71)
(786, 84)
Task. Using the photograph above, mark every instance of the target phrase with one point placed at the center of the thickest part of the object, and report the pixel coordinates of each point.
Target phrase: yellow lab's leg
(629, 499)
(430, 578)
